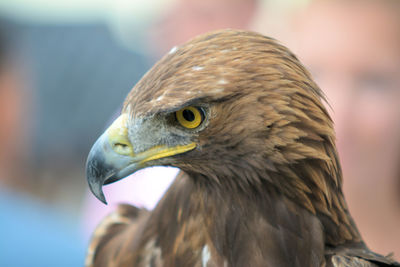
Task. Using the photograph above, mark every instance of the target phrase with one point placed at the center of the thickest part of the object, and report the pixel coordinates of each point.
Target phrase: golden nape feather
(260, 181)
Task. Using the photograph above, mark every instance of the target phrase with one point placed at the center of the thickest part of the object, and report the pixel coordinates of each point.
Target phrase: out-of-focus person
(352, 48)
(183, 20)
(14, 105)
(187, 18)
(32, 234)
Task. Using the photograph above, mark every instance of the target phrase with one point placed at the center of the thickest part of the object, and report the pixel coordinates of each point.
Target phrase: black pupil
(188, 115)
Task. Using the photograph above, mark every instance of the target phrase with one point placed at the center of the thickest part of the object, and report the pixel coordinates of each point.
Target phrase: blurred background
(66, 67)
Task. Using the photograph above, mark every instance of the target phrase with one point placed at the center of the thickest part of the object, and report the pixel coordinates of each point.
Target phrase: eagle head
(235, 110)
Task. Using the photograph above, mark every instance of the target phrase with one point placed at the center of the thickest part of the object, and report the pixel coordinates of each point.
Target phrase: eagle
(260, 181)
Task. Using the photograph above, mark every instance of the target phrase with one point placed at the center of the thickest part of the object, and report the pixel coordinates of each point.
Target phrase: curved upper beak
(110, 157)
(113, 157)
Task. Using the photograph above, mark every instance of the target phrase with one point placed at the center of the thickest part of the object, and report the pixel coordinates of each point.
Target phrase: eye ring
(190, 117)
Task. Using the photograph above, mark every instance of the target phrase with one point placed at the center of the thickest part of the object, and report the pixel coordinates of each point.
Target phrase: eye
(190, 117)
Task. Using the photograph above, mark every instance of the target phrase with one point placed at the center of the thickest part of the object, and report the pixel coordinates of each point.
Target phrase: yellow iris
(190, 117)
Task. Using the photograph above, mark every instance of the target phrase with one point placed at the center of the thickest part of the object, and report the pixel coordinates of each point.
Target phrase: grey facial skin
(128, 144)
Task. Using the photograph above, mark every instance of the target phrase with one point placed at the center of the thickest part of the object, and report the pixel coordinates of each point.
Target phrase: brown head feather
(267, 119)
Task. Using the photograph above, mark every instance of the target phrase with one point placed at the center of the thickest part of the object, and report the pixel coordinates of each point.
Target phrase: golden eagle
(260, 183)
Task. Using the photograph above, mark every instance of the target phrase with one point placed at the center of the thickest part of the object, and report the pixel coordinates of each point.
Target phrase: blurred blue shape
(32, 234)
(81, 77)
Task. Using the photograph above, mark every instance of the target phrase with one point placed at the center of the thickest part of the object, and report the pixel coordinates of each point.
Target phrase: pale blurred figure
(188, 18)
(183, 20)
(352, 48)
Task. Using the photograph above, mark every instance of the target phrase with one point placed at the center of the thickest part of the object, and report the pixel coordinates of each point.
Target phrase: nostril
(122, 148)
(120, 145)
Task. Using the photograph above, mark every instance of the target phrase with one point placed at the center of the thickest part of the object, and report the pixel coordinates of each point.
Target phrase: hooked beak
(112, 157)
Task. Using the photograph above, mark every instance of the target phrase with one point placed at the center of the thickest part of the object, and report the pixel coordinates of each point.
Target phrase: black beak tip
(98, 193)
(95, 181)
